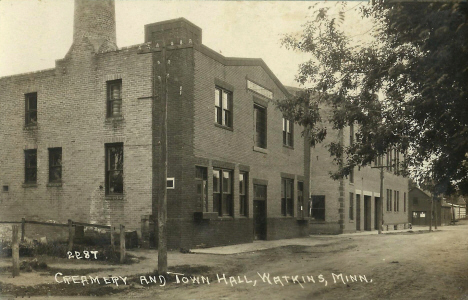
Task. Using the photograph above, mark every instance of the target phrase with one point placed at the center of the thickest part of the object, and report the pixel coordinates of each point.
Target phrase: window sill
(261, 150)
(288, 147)
(114, 197)
(29, 185)
(351, 221)
(224, 127)
(115, 119)
(313, 221)
(54, 184)
(30, 126)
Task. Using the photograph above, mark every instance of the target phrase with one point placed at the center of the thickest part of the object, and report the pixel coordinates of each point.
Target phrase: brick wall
(72, 115)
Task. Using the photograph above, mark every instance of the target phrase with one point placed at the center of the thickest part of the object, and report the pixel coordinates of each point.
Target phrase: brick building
(82, 141)
(350, 204)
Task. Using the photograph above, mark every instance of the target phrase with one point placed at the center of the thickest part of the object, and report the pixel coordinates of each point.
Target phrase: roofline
(239, 61)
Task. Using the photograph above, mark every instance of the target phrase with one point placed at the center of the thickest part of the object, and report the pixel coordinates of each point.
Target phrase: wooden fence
(71, 234)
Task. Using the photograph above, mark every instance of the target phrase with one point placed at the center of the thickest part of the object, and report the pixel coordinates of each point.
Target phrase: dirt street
(401, 266)
(412, 265)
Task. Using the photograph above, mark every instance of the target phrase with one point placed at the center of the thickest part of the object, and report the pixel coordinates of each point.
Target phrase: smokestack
(94, 23)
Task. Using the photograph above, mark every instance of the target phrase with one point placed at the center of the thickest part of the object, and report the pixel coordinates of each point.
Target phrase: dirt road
(401, 266)
(418, 265)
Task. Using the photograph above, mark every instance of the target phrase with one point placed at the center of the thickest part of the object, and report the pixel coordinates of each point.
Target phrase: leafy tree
(406, 88)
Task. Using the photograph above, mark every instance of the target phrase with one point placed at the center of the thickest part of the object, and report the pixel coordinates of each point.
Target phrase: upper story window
(287, 132)
(55, 164)
(260, 116)
(223, 107)
(31, 108)
(114, 98)
(222, 192)
(287, 194)
(259, 89)
(30, 166)
(114, 169)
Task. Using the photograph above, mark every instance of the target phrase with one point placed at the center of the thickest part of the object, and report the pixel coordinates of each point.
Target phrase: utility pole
(381, 198)
(163, 61)
(430, 214)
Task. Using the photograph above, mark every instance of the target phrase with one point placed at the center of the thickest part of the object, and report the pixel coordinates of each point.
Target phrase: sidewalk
(311, 240)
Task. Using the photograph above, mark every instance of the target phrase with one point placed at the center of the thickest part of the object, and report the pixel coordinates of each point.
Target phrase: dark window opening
(223, 107)
(31, 108)
(201, 179)
(260, 126)
(222, 192)
(351, 206)
(243, 189)
(114, 98)
(287, 132)
(287, 196)
(114, 169)
(55, 164)
(318, 208)
(30, 166)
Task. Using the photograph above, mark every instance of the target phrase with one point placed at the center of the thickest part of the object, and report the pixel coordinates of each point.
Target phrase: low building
(420, 203)
(82, 141)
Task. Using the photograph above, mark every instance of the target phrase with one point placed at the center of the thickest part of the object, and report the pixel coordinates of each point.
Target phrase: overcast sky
(34, 33)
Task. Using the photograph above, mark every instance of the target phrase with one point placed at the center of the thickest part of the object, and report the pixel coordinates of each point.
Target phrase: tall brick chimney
(94, 25)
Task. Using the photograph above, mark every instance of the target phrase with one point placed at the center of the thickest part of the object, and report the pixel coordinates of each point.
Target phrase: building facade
(350, 204)
(82, 141)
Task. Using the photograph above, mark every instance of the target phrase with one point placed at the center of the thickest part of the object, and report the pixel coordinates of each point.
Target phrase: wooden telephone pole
(163, 93)
(380, 202)
(381, 198)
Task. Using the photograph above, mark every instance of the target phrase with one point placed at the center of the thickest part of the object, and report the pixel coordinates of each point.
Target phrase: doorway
(367, 213)
(259, 212)
(358, 212)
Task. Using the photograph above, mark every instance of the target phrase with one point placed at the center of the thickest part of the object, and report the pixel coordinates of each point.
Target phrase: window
(243, 202)
(114, 169)
(415, 200)
(300, 196)
(222, 192)
(260, 126)
(31, 108)
(404, 202)
(351, 206)
(223, 107)
(287, 204)
(390, 160)
(395, 201)
(30, 166)
(287, 132)
(351, 134)
(201, 179)
(55, 164)
(390, 194)
(318, 208)
(114, 98)
(351, 175)
(389, 200)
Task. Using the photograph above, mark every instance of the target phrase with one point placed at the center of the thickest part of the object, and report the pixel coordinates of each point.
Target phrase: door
(419, 218)
(259, 212)
(358, 212)
(367, 213)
